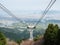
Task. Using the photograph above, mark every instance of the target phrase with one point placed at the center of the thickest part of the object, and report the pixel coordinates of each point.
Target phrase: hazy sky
(29, 4)
(18, 6)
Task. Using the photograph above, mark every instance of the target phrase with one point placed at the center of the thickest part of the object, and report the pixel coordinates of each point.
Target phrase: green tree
(37, 37)
(19, 41)
(56, 29)
(50, 35)
(58, 43)
(2, 39)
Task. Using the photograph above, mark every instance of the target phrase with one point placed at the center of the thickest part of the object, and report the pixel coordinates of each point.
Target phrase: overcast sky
(19, 6)
(29, 4)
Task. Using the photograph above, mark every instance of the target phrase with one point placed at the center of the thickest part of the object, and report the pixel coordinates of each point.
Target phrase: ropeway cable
(44, 13)
(10, 13)
(46, 10)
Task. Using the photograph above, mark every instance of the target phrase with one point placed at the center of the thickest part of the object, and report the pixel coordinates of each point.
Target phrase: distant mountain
(7, 18)
(54, 21)
(52, 14)
(33, 20)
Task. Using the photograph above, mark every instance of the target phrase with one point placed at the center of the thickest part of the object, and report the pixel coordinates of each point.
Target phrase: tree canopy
(51, 34)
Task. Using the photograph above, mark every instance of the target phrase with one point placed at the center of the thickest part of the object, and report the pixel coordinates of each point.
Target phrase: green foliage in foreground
(2, 39)
(37, 38)
(58, 43)
(19, 41)
(51, 35)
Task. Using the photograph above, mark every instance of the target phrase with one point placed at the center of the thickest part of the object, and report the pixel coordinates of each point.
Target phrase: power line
(46, 10)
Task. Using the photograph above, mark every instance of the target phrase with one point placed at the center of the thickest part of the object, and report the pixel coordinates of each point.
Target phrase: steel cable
(46, 10)
(10, 13)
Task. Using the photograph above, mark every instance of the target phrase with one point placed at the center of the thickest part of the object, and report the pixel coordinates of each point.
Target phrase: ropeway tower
(29, 27)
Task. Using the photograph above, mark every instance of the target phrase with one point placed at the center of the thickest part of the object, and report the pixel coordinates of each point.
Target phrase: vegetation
(19, 41)
(2, 39)
(15, 34)
(58, 43)
(51, 35)
(37, 38)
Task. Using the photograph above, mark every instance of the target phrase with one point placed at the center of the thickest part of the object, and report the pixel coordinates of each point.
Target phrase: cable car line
(10, 13)
(45, 12)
